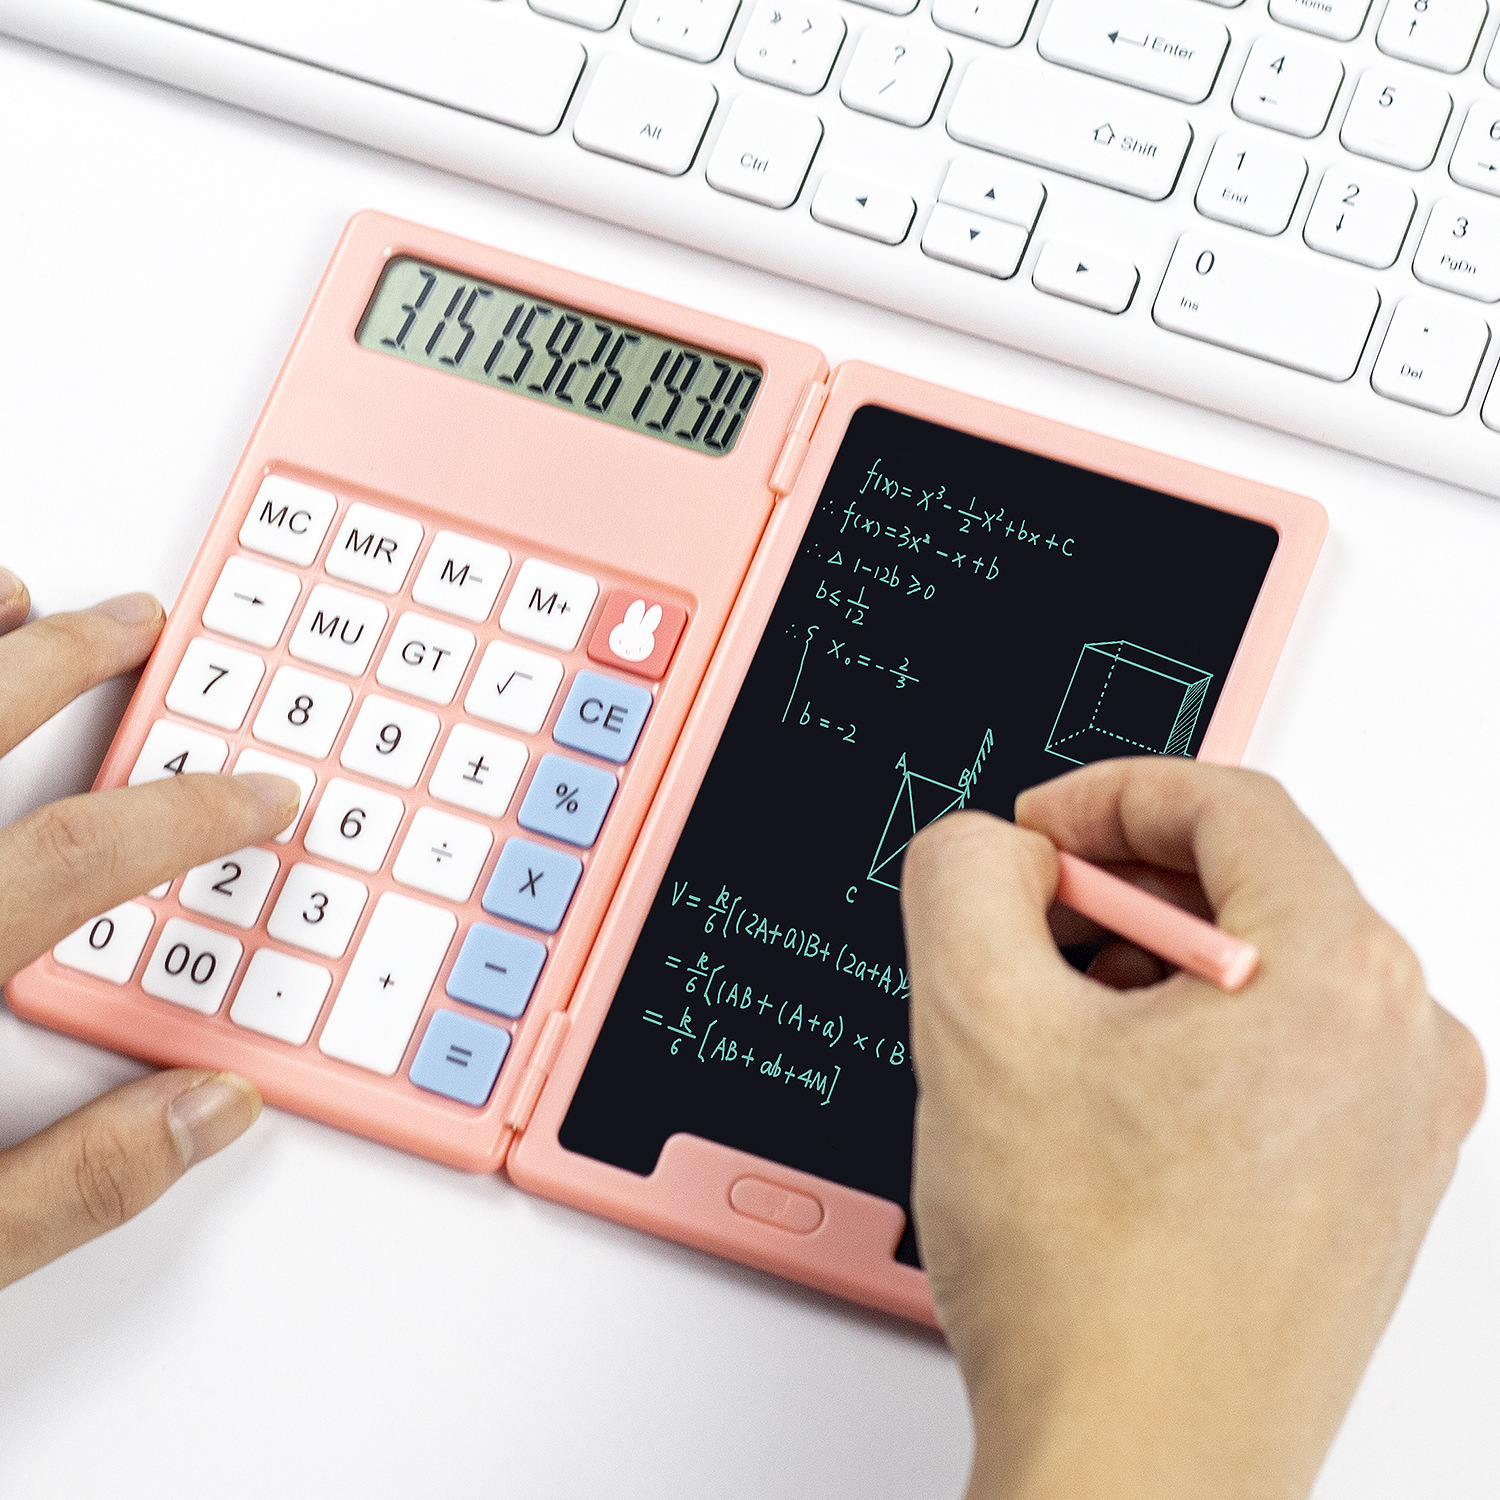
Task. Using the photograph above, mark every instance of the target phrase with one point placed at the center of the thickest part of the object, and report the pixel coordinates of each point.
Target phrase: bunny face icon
(634, 638)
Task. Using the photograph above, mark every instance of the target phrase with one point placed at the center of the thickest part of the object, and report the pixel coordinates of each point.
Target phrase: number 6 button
(354, 825)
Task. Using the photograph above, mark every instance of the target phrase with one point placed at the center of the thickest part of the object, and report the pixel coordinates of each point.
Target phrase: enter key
(1168, 47)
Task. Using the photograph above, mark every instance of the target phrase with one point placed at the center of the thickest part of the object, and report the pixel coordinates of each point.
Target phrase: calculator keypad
(349, 699)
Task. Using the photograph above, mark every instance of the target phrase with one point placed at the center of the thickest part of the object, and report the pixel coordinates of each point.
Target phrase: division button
(192, 966)
(459, 1057)
(281, 996)
(567, 800)
(109, 945)
(461, 576)
(1067, 270)
(442, 854)
(496, 970)
(602, 716)
(374, 548)
(532, 884)
(288, 520)
(251, 602)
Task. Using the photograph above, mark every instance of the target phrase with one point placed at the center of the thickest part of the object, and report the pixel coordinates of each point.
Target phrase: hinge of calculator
(518, 1116)
(788, 463)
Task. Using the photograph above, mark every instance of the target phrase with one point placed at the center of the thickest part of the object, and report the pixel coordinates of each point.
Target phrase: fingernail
(280, 792)
(131, 609)
(211, 1114)
(12, 589)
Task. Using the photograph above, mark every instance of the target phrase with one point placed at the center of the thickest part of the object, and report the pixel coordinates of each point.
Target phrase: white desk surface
(310, 1314)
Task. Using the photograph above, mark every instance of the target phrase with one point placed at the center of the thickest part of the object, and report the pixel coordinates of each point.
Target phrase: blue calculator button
(603, 716)
(532, 884)
(459, 1057)
(567, 800)
(496, 970)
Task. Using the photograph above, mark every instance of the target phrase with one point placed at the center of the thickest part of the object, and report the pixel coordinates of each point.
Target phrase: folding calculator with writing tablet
(619, 651)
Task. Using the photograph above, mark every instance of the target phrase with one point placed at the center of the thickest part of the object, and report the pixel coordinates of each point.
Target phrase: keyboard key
(597, 15)
(109, 946)
(1396, 117)
(1460, 248)
(549, 605)
(192, 966)
(172, 750)
(1476, 153)
(215, 683)
(390, 741)
(1072, 125)
(303, 712)
(1001, 23)
(694, 29)
(374, 548)
(567, 800)
(895, 75)
(1431, 355)
(280, 996)
(637, 633)
(288, 520)
(317, 910)
(996, 189)
(973, 241)
(1288, 85)
(514, 687)
(1341, 20)
(602, 716)
(478, 770)
(338, 630)
(442, 855)
(1491, 411)
(891, 7)
(863, 207)
(645, 112)
(354, 825)
(791, 45)
(461, 576)
(426, 658)
(764, 151)
(459, 1058)
(532, 885)
(251, 602)
(1252, 182)
(1169, 49)
(388, 982)
(496, 970)
(1068, 270)
(1435, 33)
(1360, 216)
(1287, 310)
(232, 889)
(306, 779)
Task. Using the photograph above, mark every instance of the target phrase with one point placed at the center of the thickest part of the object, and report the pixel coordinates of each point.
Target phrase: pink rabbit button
(637, 633)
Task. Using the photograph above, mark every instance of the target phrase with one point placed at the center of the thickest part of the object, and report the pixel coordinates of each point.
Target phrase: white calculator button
(1288, 85)
(281, 996)
(158, 891)
(1396, 117)
(442, 854)
(792, 45)
(694, 29)
(426, 658)
(232, 889)
(478, 770)
(461, 576)
(338, 630)
(1460, 248)
(549, 604)
(863, 207)
(1435, 33)
(192, 966)
(303, 712)
(215, 683)
(388, 983)
(354, 825)
(1251, 181)
(514, 687)
(1360, 215)
(108, 946)
(318, 910)
(650, 113)
(1431, 354)
(172, 750)
(374, 548)
(895, 75)
(1001, 23)
(764, 150)
(288, 520)
(1339, 19)
(306, 779)
(251, 602)
(390, 741)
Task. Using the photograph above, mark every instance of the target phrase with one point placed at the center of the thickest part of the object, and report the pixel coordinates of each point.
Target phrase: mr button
(602, 716)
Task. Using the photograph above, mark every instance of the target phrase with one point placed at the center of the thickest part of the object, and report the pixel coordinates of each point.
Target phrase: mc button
(602, 716)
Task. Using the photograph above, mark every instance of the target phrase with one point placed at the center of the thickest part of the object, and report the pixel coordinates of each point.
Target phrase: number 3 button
(354, 825)
(317, 910)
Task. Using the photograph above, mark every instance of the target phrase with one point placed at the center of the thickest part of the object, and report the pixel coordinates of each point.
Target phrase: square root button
(532, 884)
(459, 1057)
(603, 716)
(637, 633)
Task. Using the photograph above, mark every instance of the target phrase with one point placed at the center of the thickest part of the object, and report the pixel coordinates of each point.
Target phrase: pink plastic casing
(847, 1248)
(632, 510)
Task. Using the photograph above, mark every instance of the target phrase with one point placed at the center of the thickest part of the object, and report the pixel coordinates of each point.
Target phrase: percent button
(567, 800)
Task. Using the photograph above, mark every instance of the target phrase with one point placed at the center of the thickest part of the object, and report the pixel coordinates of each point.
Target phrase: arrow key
(974, 242)
(1102, 281)
(996, 189)
(251, 602)
(863, 207)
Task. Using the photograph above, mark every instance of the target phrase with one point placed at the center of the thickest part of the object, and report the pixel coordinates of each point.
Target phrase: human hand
(68, 862)
(1165, 1226)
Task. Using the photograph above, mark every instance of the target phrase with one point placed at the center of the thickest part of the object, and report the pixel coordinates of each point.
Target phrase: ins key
(603, 716)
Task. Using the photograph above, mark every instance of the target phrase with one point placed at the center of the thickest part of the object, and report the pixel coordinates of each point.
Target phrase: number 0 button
(192, 966)
(109, 945)
(568, 800)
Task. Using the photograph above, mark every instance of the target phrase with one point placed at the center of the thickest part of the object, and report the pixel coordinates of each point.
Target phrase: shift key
(1241, 297)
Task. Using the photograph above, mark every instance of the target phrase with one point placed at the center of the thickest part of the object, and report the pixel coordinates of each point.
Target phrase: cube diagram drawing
(1124, 699)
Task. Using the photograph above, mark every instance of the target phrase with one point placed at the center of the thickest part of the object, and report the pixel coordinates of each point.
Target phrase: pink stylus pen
(1156, 925)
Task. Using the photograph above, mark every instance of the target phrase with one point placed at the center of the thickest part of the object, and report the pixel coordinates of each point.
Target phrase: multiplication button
(602, 716)
(532, 884)
(567, 800)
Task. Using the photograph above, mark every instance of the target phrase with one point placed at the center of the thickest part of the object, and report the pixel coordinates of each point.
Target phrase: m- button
(602, 716)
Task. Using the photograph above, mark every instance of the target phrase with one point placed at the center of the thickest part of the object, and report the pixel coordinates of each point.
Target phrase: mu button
(800, 1213)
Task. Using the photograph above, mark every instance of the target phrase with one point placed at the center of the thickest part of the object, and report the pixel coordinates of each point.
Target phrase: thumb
(103, 1164)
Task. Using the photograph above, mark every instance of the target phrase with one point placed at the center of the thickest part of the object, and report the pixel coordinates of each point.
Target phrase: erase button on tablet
(755, 1198)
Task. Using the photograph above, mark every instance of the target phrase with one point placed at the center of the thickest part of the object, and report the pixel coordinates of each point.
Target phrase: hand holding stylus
(1165, 1225)
(66, 863)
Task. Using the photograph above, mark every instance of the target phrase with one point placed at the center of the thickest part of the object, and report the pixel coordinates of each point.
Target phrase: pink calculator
(619, 651)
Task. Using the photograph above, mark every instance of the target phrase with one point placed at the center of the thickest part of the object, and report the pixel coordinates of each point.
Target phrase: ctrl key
(459, 1058)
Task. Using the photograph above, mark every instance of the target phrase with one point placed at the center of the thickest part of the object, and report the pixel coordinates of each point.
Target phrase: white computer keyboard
(1289, 211)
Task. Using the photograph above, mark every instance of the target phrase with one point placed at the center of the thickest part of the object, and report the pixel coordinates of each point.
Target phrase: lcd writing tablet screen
(961, 621)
